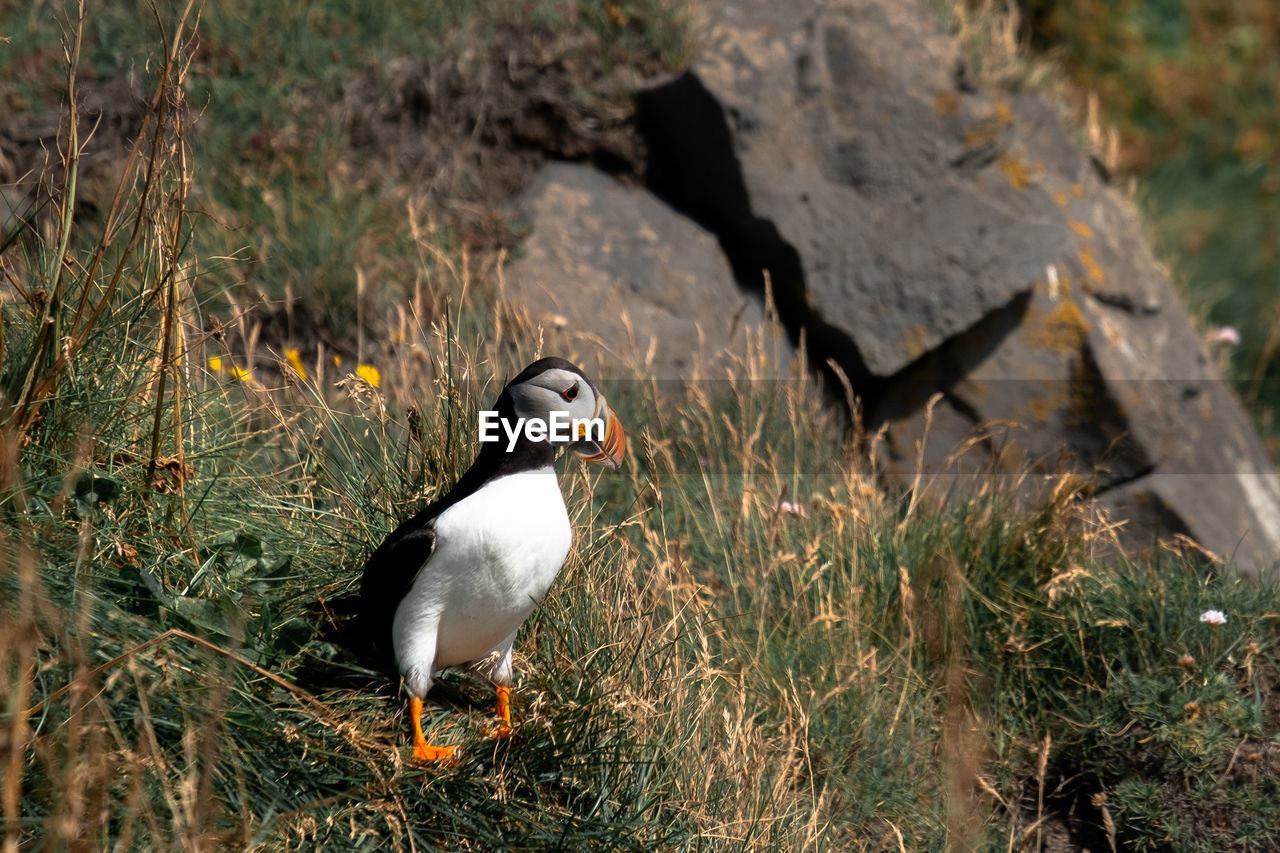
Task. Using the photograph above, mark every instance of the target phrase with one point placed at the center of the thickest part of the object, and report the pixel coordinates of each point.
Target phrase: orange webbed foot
(426, 752)
(422, 750)
(504, 712)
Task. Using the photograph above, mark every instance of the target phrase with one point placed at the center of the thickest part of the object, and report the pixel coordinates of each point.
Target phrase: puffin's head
(557, 393)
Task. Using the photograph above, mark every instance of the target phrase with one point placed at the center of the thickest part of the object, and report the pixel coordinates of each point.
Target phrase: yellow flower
(240, 373)
(215, 364)
(337, 359)
(296, 362)
(369, 374)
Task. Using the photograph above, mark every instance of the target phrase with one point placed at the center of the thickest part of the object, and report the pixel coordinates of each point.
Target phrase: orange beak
(613, 449)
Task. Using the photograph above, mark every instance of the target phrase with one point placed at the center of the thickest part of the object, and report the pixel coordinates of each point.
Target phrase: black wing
(388, 575)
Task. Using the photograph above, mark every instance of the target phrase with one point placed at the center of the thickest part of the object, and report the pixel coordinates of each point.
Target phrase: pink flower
(1213, 617)
(789, 508)
(1226, 335)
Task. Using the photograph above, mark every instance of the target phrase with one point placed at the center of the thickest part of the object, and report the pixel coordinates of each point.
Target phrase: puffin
(451, 585)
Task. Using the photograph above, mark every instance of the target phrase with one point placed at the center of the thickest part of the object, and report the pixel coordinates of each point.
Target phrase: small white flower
(1226, 335)
(1213, 617)
(789, 508)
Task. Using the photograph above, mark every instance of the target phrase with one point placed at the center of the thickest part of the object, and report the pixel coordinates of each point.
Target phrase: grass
(750, 647)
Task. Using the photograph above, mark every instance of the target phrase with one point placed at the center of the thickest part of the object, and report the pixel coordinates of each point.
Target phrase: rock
(111, 115)
(625, 275)
(933, 240)
(16, 209)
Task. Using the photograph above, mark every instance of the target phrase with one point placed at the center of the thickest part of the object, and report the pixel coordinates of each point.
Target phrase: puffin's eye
(570, 393)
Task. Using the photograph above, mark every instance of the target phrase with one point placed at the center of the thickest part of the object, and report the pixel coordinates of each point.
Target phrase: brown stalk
(80, 328)
(48, 335)
(168, 359)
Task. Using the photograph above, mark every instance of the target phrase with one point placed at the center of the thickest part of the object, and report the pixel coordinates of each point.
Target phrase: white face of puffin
(575, 400)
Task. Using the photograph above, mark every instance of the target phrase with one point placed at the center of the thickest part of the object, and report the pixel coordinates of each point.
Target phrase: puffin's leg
(504, 711)
(422, 750)
(418, 681)
(500, 674)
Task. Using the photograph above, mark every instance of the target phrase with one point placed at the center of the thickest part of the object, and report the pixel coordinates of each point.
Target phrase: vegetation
(1189, 87)
(751, 647)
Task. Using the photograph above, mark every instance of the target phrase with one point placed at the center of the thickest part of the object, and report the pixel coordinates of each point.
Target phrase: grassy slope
(713, 669)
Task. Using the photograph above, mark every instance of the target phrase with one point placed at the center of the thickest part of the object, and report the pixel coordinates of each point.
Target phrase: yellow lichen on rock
(916, 341)
(1063, 329)
(1017, 173)
(1042, 407)
(1084, 231)
(1090, 265)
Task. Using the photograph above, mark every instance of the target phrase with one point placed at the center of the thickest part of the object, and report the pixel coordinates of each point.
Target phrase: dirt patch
(469, 132)
(110, 116)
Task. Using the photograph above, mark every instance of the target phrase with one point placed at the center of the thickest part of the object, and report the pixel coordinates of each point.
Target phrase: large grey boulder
(932, 239)
(629, 281)
(954, 255)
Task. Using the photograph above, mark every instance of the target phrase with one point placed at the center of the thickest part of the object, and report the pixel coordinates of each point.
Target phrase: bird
(451, 586)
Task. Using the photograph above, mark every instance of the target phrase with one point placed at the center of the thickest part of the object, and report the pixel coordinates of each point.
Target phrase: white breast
(497, 552)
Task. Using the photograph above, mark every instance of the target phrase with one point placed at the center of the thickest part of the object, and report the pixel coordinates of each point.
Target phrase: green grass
(751, 646)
